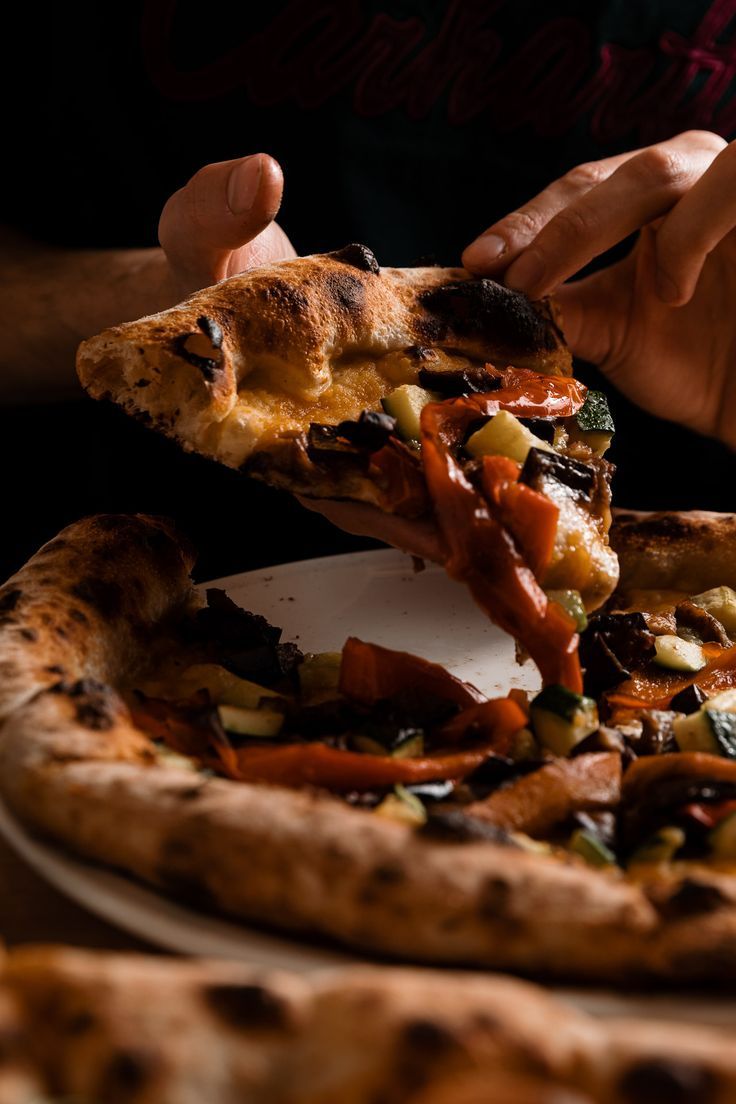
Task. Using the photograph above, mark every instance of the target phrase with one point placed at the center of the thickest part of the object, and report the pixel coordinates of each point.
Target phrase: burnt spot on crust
(247, 1006)
(105, 597)
(346, 290)
(670, 1079)
(127, 1073)
(10, 599)
(693, 898)
(142, 383)
(29, 634)
(358, 256)
(55, 669)
(211, 329)
(491, 310)
(389, 873)
(427, 1037)
(79, 615)
(95, 703)
(495, 898)
(421, 353)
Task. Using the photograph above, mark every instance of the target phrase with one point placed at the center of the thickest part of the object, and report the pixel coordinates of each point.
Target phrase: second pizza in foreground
(372, 797)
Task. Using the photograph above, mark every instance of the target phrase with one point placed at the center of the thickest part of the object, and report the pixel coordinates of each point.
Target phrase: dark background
(407, 125)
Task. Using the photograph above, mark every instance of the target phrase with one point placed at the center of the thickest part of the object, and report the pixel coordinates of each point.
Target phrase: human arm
(219, 223)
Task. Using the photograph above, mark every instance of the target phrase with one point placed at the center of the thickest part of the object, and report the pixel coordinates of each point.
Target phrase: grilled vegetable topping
(720, 602)
(504, 435)
(543, 463)
(405, 404)
(661, 847)
(261, 723)
(589, 847)
(677, 654)
(612, 646)
(450, 384)
(712, 729)
(561, 719)
(595, 414)
(689, 700)
(722, 839)
(572, 603)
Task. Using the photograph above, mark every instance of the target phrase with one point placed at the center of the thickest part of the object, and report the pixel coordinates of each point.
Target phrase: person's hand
(222, 222)
(661, 323)
(419, 537)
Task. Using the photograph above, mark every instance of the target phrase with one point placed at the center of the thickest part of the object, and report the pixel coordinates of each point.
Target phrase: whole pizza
(368, 796)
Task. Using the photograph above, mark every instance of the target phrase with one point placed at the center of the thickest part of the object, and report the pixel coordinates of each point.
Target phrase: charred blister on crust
(10, 599)
(203, 350)
(247, 1006)
(127, 1072)
(103, 596)
(428, 1037)
(345, 290)
(484, 307)
(358, 256)
(667, 1079)
(693, 897)
(95, 703)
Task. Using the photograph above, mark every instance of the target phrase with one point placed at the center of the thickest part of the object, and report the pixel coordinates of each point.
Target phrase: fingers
(418, 538)
(223, 208)
(702, 218)
(499, 245)
(642, 187)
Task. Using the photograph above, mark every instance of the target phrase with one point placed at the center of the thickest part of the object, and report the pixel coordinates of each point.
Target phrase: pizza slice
(339, 380)
(369, 795)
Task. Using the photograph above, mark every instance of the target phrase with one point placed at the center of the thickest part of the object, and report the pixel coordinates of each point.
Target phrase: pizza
(439, 399)
(371, 797)
(123, 1029)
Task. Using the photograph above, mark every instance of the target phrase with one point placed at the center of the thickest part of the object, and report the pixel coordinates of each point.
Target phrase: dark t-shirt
(407, 125)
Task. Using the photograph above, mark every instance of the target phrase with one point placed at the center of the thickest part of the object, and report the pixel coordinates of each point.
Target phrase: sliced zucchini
(504, 435)
(572, 603)
(410, 748)
(561, 719)
(405, 404)
(661, 847)
(720, 602)
(319, 677)
(403, 806)
(591, 848)
(261, 723)
(677, 654)
(722, 839)
(709, 730)
(595, 422)
(224, 687)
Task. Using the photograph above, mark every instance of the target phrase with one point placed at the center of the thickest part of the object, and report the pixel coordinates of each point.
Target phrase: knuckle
(586, 176)
(703, 139)
(524, 223)
(659, 165)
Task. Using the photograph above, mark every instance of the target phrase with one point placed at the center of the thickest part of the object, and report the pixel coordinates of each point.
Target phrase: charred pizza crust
(126, 1029)
(240, 370)
(75, 768)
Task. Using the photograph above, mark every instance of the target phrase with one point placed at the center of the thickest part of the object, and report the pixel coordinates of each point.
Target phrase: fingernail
(526, 273)
(243, 184)
(485, 250)
(667, 289)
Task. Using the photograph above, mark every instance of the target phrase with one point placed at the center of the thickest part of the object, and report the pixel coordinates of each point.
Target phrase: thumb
(223, 208)
(590, 310)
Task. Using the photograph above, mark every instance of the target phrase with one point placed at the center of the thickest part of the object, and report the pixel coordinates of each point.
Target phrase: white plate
(377, 596)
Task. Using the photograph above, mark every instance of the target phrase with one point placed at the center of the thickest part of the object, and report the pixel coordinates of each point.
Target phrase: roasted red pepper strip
(319, 765)
(529, 516)
(481, 551)
(498, 719)
(654, 688)
(370, 673)
(710, 815)
(398, 472)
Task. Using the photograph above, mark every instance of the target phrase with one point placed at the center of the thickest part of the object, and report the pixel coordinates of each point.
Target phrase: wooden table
(32, 912)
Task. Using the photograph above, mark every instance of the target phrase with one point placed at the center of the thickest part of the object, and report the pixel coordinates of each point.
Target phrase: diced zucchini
(595, 413)
(561, 719)
(403, 806)
(712, 728)
(661, 847)
(319, 676)
(504, 435)
(224, 687)
(524, 746)
(528, 843)
(722, 839)
(405, 404)
(720, 602)
(367, 745)
(590, 848)
(572, 603)
(250, 722)
(677, 654)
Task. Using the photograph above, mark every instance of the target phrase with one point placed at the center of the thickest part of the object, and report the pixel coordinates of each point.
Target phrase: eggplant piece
(371, 431)
(465, 381)
(544, 428)
(541, 465)
(611, 647)
(689, 700)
